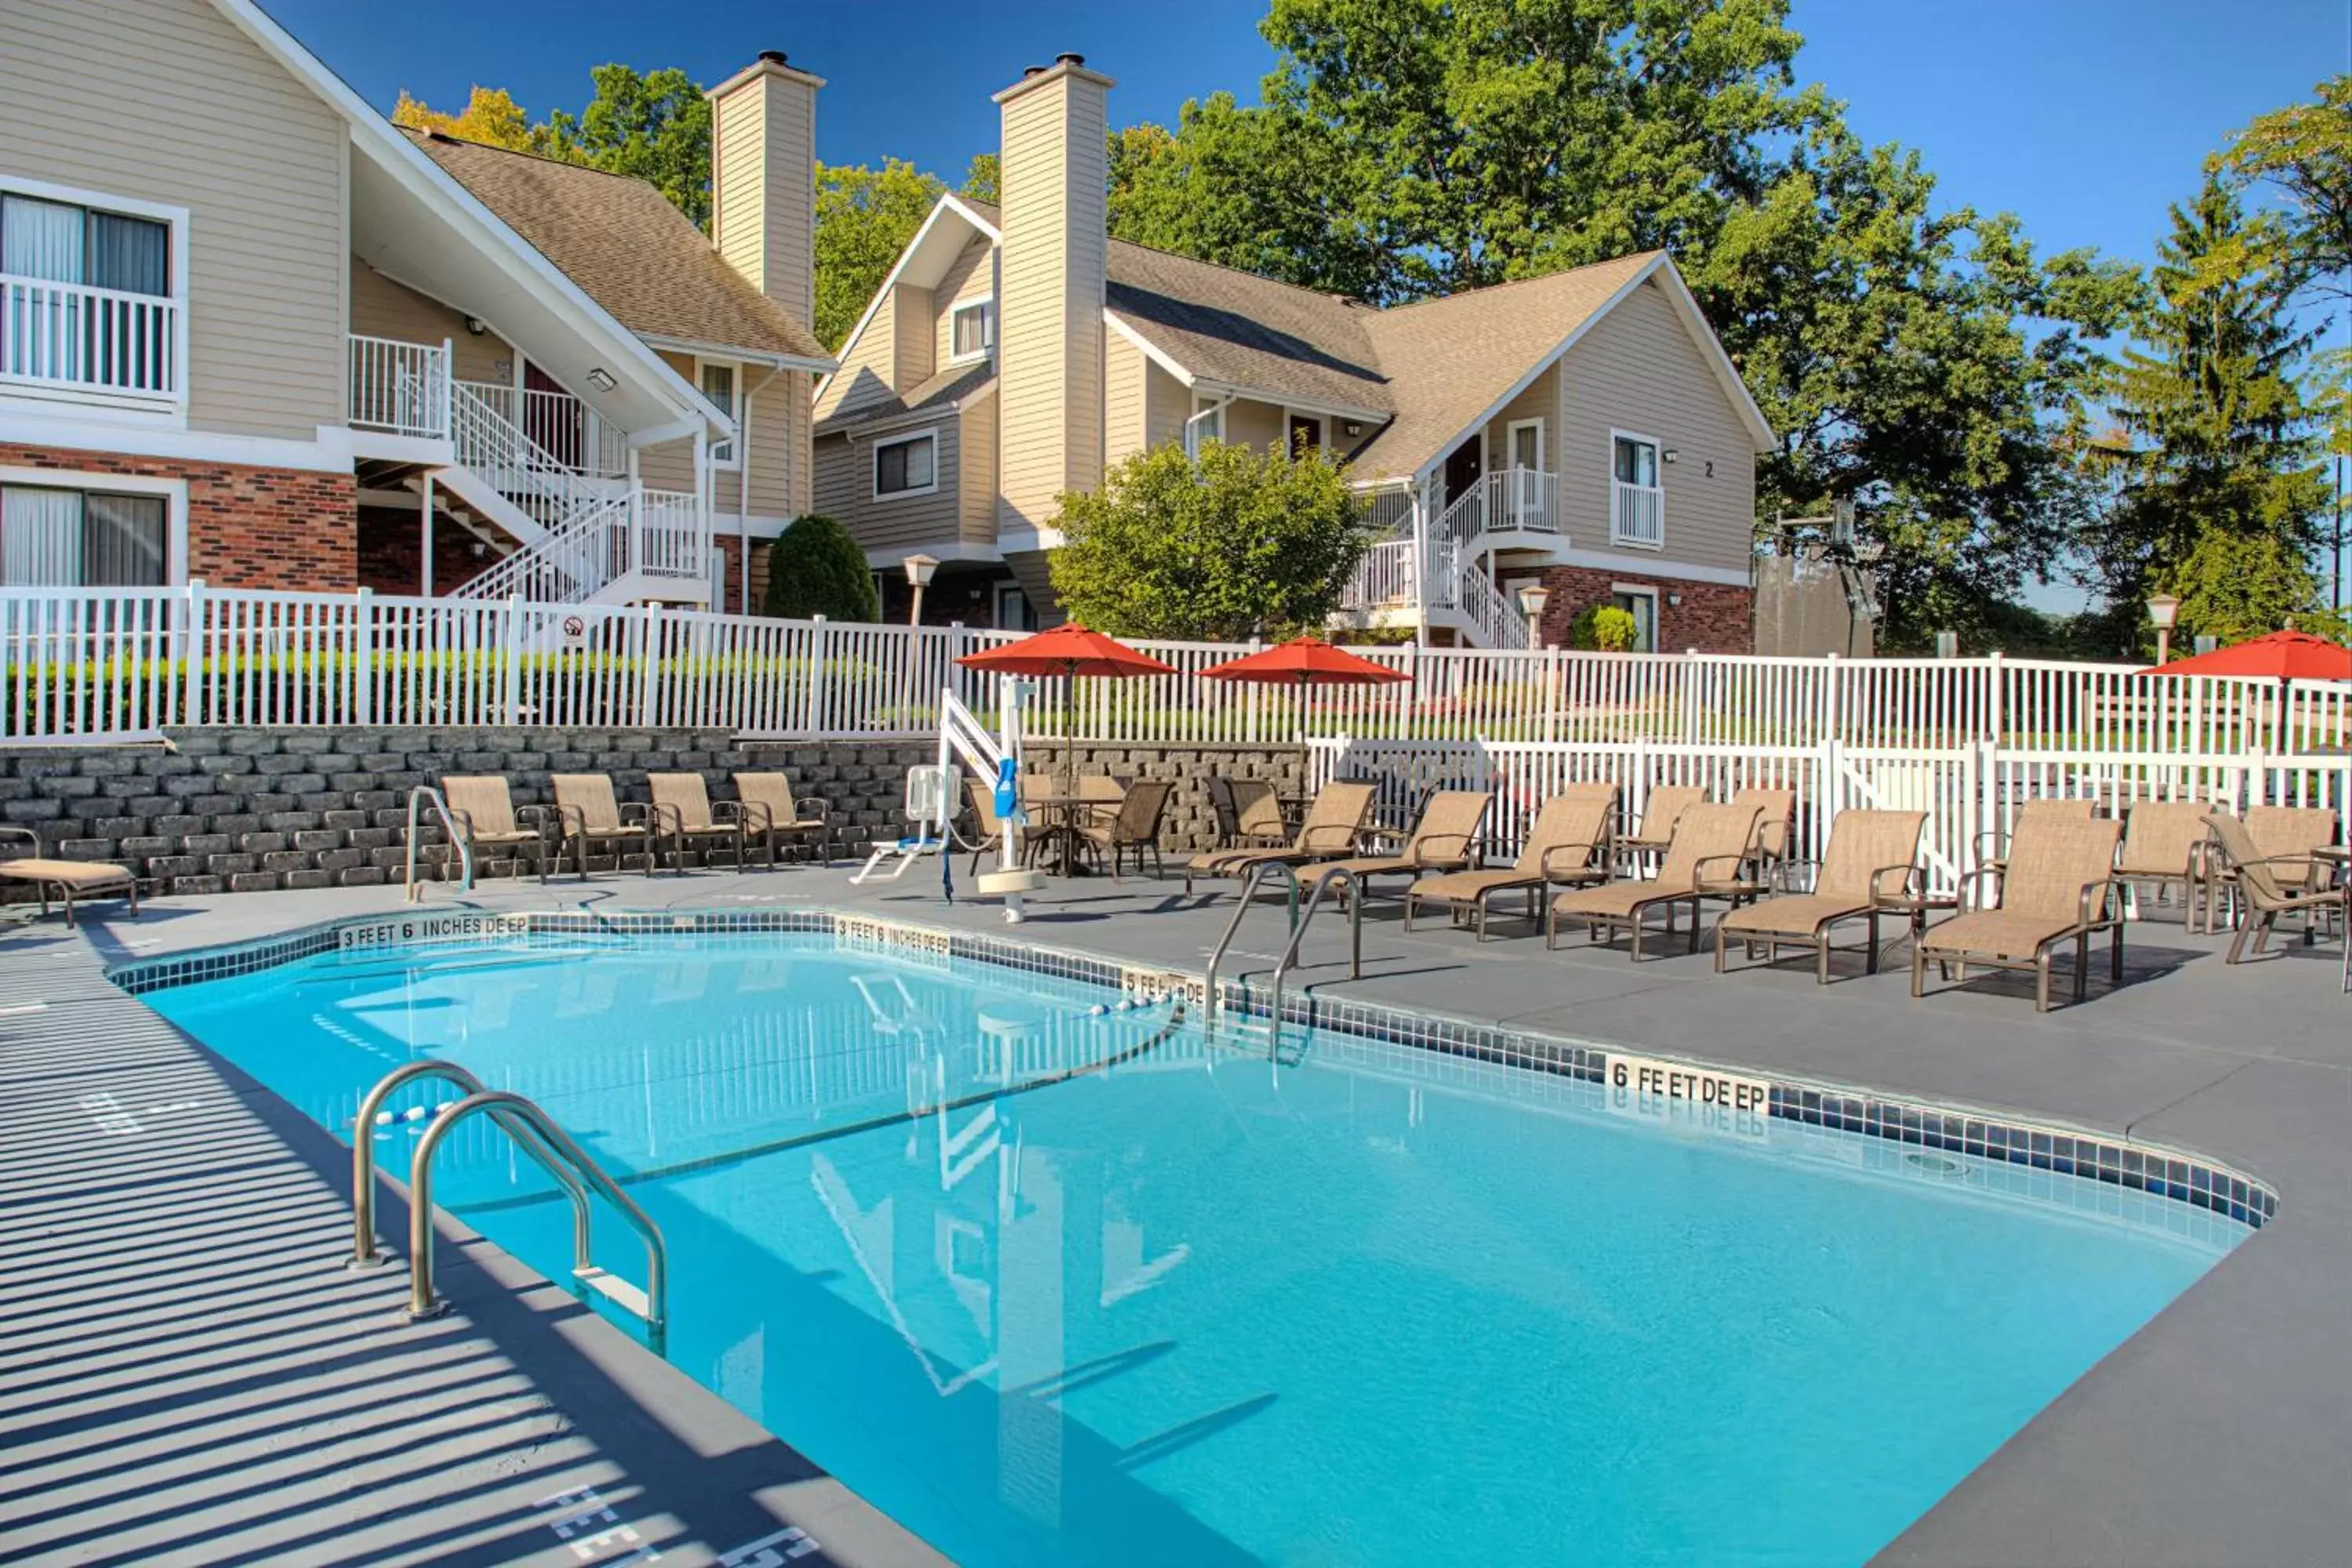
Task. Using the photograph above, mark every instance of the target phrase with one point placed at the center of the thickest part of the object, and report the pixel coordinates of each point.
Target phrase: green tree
(864, 219)
(1605, 628)
(980, 180)
(2219, 494)
(1239, 543)
(2303, 155)
(814, 568)
(654, 127)
(491, 116)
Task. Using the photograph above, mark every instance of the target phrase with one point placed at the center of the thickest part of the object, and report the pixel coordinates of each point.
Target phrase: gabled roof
(948, 389)
(634, 252)
(1234, 328)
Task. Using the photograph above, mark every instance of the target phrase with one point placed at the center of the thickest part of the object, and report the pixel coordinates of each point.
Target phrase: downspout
(1192, 435)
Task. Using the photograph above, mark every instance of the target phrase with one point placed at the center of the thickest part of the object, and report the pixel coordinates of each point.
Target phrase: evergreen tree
(816, 568)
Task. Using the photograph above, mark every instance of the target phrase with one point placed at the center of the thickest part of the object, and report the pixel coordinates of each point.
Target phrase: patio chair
(590, 818)
(1334, 825)
(2159, 848)
(1443, 838)
(487, 816)
(70, 879)
(1568, 847)
(682, 807)
(768, 807)
(1866, 850)
(1132, 825)
(1776, 810)
(1660, 811)
(1703, 859)
(1992, 846)
(2270, 885)
(2057, 885)
(2293, 830)
(1248, 813)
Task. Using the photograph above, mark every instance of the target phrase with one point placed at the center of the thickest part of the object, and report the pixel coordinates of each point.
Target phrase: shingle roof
(625, 246)
(950, 385)
(1246, 331)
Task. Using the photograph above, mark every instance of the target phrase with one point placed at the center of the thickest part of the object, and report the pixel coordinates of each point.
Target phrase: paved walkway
(2221, 1434)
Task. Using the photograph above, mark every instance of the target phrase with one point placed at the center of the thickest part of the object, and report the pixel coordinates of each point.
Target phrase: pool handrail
(424, 794)
(1257, 873)
(1329, 877)
(365, 1252)
(651, 1305)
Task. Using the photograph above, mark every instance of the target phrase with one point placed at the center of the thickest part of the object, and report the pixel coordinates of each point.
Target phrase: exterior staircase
(1440, 575)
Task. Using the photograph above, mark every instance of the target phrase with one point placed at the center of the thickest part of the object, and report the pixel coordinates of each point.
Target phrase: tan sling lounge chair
(1660, 811)
(2161, 848)
(769, 808)
(590, 819)
(70, 879)
(1703, 860)
(1992, 846)
(1568, 846)
(1777, 811)
(485, 813)
(2059, 885)
(1445, 838)
(1334, 825)
(1870, 857)
(2270, 885)
(1248, 813)
(682, 809)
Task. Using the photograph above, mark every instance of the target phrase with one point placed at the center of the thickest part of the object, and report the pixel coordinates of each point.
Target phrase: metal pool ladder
(537, 1135)
(1299, 921)
(425, 795)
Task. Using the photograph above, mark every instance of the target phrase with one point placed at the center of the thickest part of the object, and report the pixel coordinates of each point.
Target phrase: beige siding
(1049, 294)
(384, 309)
(1167, 404)
(164, 101)
(670, 465)
(1124, 398)
(868, 368)
(976, 455)
(1638, 371)
(1540, 401)
(1254, 424)
(777, 419)
(845, 490)
(763, 178)
(969, 277)
(912, 333)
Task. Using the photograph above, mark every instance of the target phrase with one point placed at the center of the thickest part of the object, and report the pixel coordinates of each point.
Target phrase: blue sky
(2084, 117)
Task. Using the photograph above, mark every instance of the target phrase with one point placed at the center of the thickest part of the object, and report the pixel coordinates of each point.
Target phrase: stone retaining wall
(252, 810)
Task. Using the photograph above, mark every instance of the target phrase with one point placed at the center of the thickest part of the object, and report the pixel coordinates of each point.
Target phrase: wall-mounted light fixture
(601, 379)
(1675, 599)
(1355, 428)
(1668, 455)
(477, 326)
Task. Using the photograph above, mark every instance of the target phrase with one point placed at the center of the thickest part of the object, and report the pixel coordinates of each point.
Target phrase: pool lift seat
(929, 792)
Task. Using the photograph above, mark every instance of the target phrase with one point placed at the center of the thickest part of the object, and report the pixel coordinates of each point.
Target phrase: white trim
(1148, 349)
(945, 203)
(736, 425)
(168, 409)
(874, 467)
(971, 215)
(942, 550)
(1657, 466)
(1203, 405)
(1510, 442)
(1322, 426)
(331, 453)
(1657, 604)
(986, 305)
(1646, 566)
(701, 348)
(1326, 411)
(173, 491)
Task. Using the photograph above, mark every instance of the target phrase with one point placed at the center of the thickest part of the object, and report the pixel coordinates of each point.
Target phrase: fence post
(1988, 800)
(510, 681)
(819, 638)
(192, 709)
(1996, 699)
(649, 669)
(1831, 714)
(362, 707)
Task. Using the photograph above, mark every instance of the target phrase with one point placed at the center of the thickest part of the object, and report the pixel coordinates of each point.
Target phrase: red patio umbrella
(2275, 656)
(1070, 651)
(1303, 662)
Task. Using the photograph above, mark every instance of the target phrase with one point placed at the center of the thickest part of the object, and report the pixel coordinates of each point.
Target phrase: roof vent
(773, 57)
(1067, 58)
(1028, 71)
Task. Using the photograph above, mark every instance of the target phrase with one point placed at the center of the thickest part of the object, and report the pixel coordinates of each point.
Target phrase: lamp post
(2163, 610)
(1533, 597)
(919, 577)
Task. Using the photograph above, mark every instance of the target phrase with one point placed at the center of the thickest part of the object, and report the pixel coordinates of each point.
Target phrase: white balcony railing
(1637, 515)
(399, 387)
(1384, 578)
(560, 425)
(1517, 501)
(71, 337)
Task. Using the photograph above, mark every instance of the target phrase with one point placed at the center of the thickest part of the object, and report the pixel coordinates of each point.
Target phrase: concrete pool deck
(2221, 1433)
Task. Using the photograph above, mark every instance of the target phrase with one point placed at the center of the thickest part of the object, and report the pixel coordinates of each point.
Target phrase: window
(1305, 432)
(1207, 423)
(1013, 611)
(83, 539)
(719, 388)
(908, 466)
(90, 297)
(971, 331)
(1637, 509)
(1641, 603)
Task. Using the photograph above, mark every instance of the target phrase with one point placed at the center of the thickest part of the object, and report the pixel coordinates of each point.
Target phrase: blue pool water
(1378, 1306)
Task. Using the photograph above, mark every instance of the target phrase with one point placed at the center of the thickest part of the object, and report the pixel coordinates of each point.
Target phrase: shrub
(816, 568)
(1603, 626)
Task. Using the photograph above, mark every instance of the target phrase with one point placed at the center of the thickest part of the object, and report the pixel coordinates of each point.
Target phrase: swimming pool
(1367, 1304)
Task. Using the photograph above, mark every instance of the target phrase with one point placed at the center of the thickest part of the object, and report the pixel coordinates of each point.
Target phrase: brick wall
(252, 810)
(293, 528)
(392, 552)
(1713, 617)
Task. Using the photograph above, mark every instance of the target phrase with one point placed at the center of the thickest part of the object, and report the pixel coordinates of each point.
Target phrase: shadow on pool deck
(2220, 1434)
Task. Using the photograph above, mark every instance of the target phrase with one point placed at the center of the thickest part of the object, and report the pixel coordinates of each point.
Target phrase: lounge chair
(1777, 811)
(770, 807)
(1703, 860)
(70, 879)
(1133, 824)
(1992, 846)
(2270, 885)
(2057, 885)
(1445, 838)
(486, 814)
(682, 808)
(1248, 813)
(590, 818)
(2159, 848)
(1334, 825)
(1661, 810)
(1568, 846)
(1866, 850)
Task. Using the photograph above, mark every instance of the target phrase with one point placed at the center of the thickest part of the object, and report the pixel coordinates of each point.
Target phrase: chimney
(1049, 289)
(764, 179)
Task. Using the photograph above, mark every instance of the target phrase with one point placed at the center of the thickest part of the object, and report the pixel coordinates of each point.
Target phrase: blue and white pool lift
(932, 794)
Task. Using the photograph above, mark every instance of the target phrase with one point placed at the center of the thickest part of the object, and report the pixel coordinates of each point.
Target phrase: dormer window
(971, 331)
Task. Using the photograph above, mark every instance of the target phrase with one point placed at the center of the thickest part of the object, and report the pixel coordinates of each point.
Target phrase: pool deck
(299, 1417)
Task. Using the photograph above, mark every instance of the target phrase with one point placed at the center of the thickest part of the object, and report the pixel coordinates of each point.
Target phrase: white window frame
(734, 448)
(173, 491)
(1511, 440)
(997, 616)
(1641, 590)
(986, 305)
(874, 467)
(172, 410)
(1658, 465)
(1207, 412)
(1322, 427)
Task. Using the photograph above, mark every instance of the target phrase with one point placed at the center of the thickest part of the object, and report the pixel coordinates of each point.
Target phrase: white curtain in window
(40, 538)
(123, 542)
(40, 331)
(41, 239)
(132, 254)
